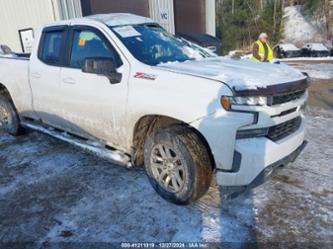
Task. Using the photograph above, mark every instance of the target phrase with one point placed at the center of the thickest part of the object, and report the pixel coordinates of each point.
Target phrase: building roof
(118, 19)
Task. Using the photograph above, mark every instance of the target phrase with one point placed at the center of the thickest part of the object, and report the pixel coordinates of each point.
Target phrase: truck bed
(18, 56)
(14, 75)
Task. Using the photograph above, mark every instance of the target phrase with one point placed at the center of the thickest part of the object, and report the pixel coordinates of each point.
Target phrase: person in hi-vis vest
(262, 51)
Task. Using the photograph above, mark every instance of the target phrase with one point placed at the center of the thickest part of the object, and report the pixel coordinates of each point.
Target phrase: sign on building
(27, 39)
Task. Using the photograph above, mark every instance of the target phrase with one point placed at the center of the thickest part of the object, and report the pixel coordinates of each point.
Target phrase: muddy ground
(53, 192)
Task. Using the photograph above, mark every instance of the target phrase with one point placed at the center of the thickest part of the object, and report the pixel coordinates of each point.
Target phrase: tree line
(241, 21)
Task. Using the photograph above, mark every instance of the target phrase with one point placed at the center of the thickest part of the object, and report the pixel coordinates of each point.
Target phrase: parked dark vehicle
(204, 40)
(315, 50)
(287, 51)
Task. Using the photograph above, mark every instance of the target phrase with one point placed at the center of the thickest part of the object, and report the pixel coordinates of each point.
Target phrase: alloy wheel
(168, 168)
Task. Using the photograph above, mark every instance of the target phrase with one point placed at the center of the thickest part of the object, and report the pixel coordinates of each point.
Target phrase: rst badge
(145, 76)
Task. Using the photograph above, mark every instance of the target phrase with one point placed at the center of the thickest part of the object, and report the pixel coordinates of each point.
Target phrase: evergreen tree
(271, 20)
(237, 24)
(241, 21)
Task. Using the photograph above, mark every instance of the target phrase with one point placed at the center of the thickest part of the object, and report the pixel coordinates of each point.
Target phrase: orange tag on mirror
(82, 42)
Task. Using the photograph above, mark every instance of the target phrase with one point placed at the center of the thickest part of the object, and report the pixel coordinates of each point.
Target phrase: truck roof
(118, 19)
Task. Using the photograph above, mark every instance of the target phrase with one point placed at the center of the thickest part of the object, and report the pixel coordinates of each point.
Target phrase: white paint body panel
(189, 92)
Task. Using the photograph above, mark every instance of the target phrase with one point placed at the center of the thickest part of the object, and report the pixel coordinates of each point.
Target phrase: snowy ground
(309, 59)
(316, 70)
(53, 192)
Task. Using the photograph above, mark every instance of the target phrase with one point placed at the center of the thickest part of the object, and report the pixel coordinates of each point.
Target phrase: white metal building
(20, 19)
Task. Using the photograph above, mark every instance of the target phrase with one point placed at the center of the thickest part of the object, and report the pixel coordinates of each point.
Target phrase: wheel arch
(147, 124)
(4, 91)
(8, 98)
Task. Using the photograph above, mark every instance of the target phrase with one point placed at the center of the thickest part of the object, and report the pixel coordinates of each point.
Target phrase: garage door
(190, 16)
(91, 7)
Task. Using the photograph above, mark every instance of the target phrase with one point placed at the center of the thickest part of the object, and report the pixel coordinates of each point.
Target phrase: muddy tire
(178, 164)
(9, 120)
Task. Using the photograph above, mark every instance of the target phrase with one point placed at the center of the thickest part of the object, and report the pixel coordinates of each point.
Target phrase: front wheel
(178, 164)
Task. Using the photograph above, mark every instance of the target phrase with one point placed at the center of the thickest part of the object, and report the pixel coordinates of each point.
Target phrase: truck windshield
(152, 45)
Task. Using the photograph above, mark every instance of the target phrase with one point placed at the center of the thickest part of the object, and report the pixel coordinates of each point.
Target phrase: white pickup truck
(123, 87)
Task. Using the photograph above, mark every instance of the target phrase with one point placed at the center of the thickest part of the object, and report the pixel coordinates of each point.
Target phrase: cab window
(52, 45)
(88, 44)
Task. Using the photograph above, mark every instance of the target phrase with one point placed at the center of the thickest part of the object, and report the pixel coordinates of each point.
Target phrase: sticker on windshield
(127, 31)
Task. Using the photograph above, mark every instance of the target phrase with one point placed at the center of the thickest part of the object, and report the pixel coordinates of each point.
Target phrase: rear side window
(52, 47)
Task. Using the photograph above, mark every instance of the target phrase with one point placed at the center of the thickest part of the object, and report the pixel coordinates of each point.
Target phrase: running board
(98, 149)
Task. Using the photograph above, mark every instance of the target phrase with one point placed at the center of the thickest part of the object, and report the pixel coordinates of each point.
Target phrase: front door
(92, 105)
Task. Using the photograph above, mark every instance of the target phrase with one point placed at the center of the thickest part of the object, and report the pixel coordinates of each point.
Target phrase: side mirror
(102, 66)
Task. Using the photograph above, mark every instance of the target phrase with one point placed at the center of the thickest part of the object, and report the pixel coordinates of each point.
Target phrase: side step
(98, 149)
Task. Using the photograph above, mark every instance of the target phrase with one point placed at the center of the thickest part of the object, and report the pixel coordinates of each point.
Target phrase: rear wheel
(178, 164)
(9, 120)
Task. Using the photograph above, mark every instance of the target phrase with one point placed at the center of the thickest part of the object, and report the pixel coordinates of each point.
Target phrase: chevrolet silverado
(121, 86)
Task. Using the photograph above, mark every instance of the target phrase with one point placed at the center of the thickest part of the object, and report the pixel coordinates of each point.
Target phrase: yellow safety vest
(261, 52)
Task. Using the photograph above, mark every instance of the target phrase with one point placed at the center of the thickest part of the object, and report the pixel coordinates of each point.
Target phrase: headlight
(227, 102)
(249, 100)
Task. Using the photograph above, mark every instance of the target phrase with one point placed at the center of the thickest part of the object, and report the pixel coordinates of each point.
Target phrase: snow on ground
(298, 29)
(53, 192)
(308, 59)
(316, 70)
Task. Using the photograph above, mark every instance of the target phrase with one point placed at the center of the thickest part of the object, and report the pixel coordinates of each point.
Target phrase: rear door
(45, 74)
(93, 106)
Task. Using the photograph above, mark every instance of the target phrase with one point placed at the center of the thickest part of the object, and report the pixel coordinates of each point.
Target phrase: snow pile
(298, 29)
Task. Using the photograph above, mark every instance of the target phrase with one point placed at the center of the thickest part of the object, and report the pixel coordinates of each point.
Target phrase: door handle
(35, 75)
(68, 80)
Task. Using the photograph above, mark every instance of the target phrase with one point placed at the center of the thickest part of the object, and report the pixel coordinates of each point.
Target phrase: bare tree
(274, 15)
(233, 7)
(328, 19)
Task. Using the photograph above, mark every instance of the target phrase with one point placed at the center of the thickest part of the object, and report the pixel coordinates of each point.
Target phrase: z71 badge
(145, 76)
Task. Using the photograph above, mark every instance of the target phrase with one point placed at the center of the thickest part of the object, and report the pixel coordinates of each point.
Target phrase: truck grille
(284, 98)
(285, 129)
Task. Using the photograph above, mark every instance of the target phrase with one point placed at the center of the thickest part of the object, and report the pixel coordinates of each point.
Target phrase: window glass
(87, 44)
(52, 47)
(153, 45)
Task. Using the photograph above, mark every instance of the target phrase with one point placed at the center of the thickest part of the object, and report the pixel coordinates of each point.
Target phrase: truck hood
(237, 74)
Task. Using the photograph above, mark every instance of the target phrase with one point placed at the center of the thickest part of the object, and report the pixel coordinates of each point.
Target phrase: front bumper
(268, 172)
(240, 160)
(260, 156)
